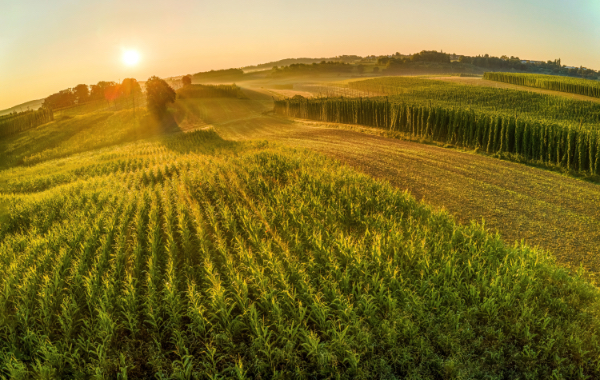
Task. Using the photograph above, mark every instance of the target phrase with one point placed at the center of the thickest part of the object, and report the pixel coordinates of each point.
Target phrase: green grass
(526, 127)
(209, 91)
(191, 256)
(578, 86)
(535, 106)
(68, 134)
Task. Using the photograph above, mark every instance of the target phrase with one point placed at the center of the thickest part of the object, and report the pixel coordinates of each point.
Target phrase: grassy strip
(578, 86)
(551, 144)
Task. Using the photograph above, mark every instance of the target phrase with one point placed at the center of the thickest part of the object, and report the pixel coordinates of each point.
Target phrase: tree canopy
(130, 86)
(82, 93)
(158, 94)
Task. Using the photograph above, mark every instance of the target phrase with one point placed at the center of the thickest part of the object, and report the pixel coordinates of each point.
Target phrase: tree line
(83, 93)
(399, 62)
(219, 75)
(315, 68)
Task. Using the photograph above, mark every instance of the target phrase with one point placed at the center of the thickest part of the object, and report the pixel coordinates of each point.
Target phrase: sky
(47, 46)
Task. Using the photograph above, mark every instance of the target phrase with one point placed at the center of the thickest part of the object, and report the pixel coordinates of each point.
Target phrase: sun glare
(131, 57)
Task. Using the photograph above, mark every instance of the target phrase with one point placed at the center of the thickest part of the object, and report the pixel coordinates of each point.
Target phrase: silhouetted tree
(98, 91)
(82, 93)
(130, 86)
(158, 94)
(375, 70)
(112, 91)
(64, 98)
(186, 80)
(431, 56)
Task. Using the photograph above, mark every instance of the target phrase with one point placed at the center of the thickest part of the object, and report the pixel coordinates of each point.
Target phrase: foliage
(17, 122)
(103, 90)
(219, 75)
(82, 93)
(194, 257)
(63, 98)
(158, 94)
(505, 63)
(322, 67)
(186, 80)
(473, 117)
(210, 91)
(540, 107)
(431, 56)
(549, 82)
(130, 86)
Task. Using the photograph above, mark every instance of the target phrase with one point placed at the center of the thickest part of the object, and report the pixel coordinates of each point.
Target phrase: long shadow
(206, 142)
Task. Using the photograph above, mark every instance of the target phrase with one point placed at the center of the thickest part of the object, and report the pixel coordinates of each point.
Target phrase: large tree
(158, 94)
(130, 86)
(82, 93)
(98, 90)
(64, 98)
(186, 80)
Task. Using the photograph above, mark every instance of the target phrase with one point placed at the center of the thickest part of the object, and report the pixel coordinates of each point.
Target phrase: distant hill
(215, 76)
(306, 61)
(32, 105)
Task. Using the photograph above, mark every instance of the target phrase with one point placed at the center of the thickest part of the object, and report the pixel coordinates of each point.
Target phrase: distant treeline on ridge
(82, 93)
(219, 75)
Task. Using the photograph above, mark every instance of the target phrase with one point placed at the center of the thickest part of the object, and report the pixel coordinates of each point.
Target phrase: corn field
(168, 259)
(578, 86)
(11, 124)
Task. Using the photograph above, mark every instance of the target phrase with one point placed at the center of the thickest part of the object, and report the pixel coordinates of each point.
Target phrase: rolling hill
(226, 241)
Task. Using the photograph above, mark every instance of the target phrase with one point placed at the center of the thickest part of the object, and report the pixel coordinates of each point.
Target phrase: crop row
(541, 107)
(578, 86)
(575, 149)
(24, 121)
(260, 266)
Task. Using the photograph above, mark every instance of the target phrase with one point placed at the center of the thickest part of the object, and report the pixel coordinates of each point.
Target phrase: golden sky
(47, 46)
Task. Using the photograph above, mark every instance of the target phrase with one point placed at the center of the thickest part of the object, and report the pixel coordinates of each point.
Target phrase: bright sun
(131, 57)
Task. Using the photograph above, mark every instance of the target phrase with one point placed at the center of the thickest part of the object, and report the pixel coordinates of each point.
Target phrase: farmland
(11, 124)
(144, 251)
(526, 126)
(578, 86)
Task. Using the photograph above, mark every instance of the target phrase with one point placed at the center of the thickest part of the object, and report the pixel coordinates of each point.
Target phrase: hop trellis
(578, 86)
(20, 122)
(550, 143)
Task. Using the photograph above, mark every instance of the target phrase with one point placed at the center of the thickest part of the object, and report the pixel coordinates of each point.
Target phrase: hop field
(12, 124)
(530, 127)
(507, 102)
(578, 86)
(195, 257)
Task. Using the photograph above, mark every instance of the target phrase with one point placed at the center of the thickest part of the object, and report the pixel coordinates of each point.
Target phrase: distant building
(570, 67)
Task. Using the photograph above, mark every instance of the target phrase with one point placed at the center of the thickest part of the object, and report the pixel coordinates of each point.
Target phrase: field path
(544, 208)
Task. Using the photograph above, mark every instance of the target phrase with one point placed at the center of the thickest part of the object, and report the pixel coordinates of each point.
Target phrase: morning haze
(46, 46)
